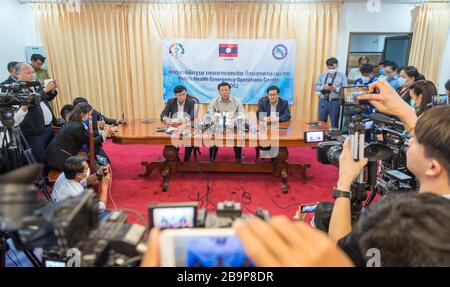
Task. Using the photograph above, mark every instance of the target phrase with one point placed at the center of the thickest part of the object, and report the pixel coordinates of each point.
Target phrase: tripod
(14, 148)
(357, 144)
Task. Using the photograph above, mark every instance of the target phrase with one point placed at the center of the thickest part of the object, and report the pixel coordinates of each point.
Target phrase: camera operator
(36, 125)
(76, 176)
(99, 122)
(428, 157)
(328, 86)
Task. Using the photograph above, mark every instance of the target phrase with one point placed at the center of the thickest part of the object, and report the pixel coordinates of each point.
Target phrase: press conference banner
(249, 66)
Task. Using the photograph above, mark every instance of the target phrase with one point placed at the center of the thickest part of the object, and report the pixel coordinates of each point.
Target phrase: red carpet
(252, 190)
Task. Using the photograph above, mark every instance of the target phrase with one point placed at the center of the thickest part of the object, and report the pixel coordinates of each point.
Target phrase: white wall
(445, 69)
(17, 30)
(355, 17)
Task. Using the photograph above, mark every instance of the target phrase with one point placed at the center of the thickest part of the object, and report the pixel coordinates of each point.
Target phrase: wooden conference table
(282, 135)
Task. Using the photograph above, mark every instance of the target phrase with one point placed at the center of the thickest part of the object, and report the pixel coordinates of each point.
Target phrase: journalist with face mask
(327, 87)
(71, 139)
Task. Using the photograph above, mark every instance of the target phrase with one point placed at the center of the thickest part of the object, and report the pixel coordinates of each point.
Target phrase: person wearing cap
(327, 87)
(40, 74)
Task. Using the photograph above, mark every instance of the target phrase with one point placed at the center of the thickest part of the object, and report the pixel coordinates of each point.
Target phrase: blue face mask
(86, 122)
(401, 81)
(381, 72)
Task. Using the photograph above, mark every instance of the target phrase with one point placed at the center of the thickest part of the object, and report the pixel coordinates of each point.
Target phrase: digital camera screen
(351, 94)
(308, 208)
(174, 217)
(210, 251)
(313, 136)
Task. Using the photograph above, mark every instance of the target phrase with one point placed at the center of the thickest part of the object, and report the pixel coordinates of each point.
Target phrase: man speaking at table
(226, 103)
(177, 108)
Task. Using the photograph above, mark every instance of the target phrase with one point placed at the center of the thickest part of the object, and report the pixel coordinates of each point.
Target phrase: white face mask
(332, 71)
(83, 181)
(366, 79)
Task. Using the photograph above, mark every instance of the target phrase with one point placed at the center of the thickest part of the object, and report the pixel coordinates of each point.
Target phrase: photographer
(76, 176)
(428, 156)
(70, 140)
(328, 86)
(36, 125)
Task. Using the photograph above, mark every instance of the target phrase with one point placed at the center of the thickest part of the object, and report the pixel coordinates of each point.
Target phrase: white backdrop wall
(17, 30)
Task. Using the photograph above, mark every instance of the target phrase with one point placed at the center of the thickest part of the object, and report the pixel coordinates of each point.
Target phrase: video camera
(66, 228)
(187, 215)
(16, 95)
(385, 143)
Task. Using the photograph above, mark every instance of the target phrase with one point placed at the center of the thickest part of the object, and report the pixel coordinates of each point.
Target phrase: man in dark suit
(12, 75)
(274, 108)
(36, 126)
(179, 108)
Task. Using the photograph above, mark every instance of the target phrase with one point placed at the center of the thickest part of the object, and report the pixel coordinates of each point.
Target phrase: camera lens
(333, 155)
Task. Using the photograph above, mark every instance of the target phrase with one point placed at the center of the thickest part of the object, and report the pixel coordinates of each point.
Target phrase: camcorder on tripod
(15, 151)
(377, 137)
(70, 231)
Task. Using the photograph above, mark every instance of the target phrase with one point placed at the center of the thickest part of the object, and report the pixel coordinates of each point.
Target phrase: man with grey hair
(36, 125)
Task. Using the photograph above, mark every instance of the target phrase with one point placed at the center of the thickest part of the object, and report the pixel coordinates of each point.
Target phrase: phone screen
(210, 251)
(440, 100)
(173, 217)
(308, 208)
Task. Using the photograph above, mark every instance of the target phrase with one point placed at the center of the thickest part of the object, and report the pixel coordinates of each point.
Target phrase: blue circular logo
(279, 52)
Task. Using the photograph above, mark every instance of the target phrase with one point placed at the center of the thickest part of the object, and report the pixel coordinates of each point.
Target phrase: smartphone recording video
(440, 100)
(202, 248)
(349, 94)
(308, 208)
(173, 215)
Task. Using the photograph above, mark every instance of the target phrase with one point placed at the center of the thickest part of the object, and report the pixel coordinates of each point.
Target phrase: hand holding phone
(308, 208)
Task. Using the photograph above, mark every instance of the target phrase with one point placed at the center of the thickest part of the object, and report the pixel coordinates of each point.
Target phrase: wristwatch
(339, 193)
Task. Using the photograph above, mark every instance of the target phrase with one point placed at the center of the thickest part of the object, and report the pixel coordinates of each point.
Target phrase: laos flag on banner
(228, 50)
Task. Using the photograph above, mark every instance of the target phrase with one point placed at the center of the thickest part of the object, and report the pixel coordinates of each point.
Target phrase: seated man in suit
(179, 108)
(226, 103)
(273, 109)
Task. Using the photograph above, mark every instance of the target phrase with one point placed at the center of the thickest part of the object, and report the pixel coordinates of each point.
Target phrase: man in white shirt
(225, 103)
(74, 179)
